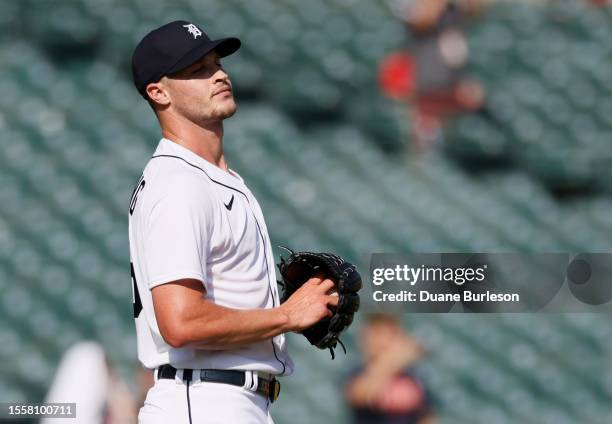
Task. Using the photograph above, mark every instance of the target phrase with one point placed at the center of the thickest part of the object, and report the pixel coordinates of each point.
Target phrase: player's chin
(226, 109)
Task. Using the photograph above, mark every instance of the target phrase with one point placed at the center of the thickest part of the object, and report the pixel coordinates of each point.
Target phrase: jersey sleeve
(176, 238)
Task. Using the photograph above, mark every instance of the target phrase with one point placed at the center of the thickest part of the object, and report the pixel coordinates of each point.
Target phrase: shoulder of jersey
(173, 176)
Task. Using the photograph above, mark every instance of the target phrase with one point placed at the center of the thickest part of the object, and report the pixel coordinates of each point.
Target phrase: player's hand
(310, 303)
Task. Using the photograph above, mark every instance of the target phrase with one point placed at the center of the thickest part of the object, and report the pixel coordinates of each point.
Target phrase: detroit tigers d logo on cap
(193, 30)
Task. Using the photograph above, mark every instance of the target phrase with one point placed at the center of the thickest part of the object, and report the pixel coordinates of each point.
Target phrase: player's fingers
(326, 285)
(316, 279)
(332, 300)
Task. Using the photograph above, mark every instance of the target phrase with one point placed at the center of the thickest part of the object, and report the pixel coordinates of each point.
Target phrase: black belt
(268, 388)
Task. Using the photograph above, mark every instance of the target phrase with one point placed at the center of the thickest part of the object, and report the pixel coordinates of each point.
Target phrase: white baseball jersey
(191, 219)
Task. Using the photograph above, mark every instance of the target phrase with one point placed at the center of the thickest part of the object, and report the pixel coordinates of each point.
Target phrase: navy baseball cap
(173, 47)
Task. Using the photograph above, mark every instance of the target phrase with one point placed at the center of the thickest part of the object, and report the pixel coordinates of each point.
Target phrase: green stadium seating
(307, 138)
(543, 69)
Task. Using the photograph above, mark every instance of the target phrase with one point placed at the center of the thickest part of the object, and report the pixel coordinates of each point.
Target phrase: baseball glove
(299, 268)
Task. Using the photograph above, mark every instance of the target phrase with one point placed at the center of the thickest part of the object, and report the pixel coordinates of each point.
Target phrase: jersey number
(137, 304)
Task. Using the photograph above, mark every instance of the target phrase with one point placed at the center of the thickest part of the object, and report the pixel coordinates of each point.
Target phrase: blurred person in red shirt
(430, 75)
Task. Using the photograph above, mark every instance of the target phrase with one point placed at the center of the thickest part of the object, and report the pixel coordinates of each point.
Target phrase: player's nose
(221, 75)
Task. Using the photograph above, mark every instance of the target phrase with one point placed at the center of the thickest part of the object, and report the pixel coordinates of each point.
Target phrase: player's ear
(158, 93)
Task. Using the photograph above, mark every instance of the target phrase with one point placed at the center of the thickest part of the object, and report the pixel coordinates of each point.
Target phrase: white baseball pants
(209, 403)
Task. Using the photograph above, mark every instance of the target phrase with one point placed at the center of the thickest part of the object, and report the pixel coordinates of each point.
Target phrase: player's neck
(204, 141)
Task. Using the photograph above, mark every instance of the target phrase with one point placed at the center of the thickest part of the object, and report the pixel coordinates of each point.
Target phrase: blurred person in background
(85, 377)
(430, 75)
(385, 389)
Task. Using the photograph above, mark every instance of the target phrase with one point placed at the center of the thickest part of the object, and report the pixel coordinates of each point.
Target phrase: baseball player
(208, 317)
